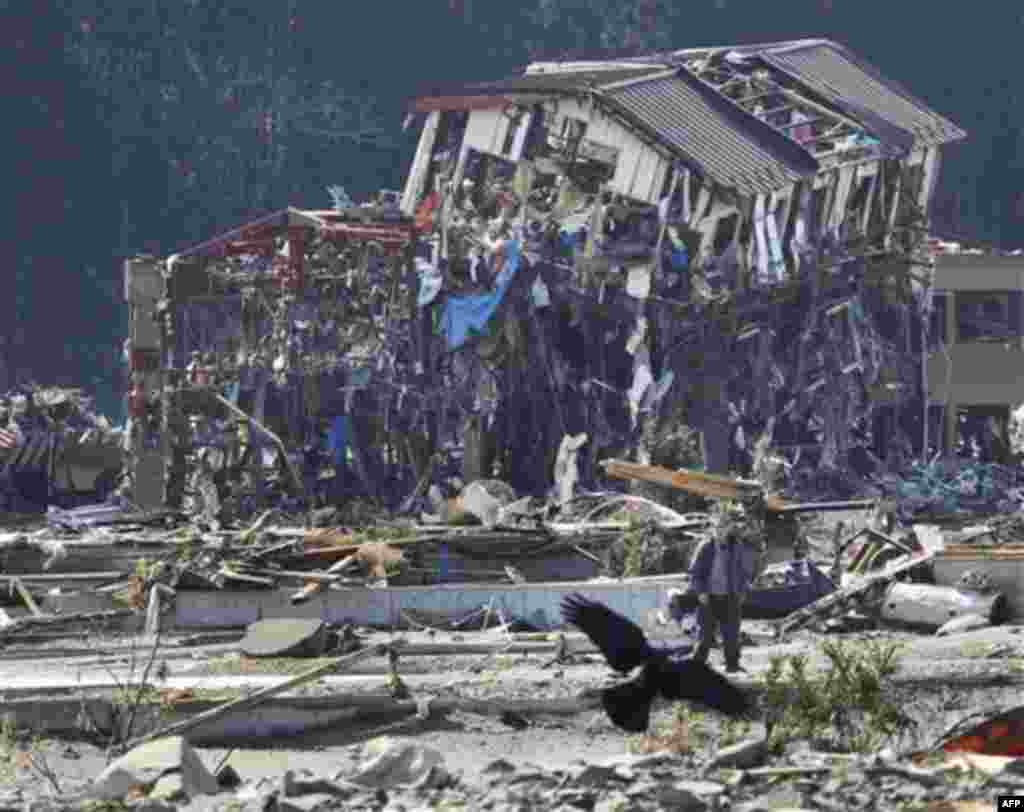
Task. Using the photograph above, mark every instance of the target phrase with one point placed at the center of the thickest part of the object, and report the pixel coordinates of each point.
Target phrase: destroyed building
(585, 258)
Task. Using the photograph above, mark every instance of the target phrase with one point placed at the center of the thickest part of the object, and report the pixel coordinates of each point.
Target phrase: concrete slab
(285, 637)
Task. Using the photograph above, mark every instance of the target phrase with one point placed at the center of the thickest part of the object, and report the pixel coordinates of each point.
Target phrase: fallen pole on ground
(32, 623)
(255, 698)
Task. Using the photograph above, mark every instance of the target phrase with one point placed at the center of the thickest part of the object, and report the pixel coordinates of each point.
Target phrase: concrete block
(145, 765)
(285, 637)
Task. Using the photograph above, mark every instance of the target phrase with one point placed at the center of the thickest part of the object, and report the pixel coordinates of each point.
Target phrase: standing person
(723, 569)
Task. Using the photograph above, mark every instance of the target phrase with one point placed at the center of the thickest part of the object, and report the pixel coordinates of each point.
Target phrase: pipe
(824, 507)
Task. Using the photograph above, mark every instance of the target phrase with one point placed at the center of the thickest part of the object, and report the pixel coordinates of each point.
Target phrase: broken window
(987, 315)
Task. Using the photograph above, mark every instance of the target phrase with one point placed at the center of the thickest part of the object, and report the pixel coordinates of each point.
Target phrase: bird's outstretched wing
(695, 681)
(621, 641)
(628, 704)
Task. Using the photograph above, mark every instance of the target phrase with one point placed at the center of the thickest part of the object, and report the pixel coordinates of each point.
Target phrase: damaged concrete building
(585, 259)
(976, 353)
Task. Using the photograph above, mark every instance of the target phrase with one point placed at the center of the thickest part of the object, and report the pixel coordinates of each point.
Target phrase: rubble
(146, 766)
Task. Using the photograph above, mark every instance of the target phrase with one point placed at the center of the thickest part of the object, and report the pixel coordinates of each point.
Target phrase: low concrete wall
(537, 603)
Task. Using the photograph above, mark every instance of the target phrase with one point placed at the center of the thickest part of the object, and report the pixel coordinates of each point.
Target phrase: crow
(664, 672)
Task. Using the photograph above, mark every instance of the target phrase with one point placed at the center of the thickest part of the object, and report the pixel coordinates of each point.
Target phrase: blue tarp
(464, 315)
(782, 589)
(337, 440)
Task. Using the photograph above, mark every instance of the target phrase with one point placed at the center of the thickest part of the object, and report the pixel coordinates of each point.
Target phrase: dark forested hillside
(148, 124)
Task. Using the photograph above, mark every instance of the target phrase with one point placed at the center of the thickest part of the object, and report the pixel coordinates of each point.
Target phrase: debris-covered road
(540, 757)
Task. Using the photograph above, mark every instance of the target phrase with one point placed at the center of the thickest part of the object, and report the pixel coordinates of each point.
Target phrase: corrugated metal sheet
(734, 152)
(831, 70)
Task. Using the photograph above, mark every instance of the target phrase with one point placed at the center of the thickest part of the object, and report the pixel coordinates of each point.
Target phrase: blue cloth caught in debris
(679, 259)
(337, 439)
(464, 315)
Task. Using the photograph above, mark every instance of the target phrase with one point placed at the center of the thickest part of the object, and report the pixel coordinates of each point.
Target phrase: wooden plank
(712, 486)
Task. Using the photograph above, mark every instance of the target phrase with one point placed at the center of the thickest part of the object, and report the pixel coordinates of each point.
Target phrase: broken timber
(845, 598)
(713, 486)
(696, 482)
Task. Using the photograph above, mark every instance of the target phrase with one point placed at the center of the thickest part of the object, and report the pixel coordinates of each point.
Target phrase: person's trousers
(721, 611)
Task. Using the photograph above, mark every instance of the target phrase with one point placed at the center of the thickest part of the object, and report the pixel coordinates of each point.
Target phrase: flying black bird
(625, 647)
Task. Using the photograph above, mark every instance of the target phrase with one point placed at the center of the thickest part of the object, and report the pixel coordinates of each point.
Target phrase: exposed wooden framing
(844, 182)
(656, 261)
(866, 215)
(822, 179)
(833, 134)
(421, 164)
(786, 207)
(820, 109)
(756, 96)
(792, 124)
(830, 196)
(893, 208)
(773, 110)
(700, 210)
(932, 165)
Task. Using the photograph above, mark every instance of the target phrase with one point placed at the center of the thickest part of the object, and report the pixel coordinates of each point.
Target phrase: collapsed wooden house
(785, 282)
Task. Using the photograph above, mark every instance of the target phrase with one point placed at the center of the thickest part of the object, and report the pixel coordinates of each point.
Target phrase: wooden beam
(712, 486)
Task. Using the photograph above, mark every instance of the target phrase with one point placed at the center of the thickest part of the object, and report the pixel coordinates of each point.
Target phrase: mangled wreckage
(586, 260)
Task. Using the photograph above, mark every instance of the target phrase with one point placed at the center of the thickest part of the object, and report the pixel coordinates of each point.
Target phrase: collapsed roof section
(754, 119)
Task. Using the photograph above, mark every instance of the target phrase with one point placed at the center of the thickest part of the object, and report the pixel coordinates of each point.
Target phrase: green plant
(733, 731)
(852, 705)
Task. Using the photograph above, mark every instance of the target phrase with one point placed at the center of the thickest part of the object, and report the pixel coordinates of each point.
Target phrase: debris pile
(948, 487)
(55, 450)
